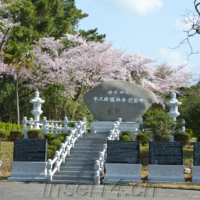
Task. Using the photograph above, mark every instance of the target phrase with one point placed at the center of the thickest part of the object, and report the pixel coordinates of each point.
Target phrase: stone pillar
(183, 126)
(36, 101)
(173, 103)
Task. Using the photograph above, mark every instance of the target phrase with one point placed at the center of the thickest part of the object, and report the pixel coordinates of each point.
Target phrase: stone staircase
(79, 165)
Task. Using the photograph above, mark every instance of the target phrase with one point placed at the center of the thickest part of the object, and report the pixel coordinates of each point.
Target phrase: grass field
(6, 156)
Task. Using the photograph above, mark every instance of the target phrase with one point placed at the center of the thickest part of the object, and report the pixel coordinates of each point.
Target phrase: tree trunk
(17, 98)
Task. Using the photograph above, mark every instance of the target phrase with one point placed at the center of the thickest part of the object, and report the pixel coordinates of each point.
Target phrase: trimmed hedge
(34, 134)
(56, 142)
(124, 137)
(16, 134)
(190, 131)
(3, 133)
(53, 147)
(49, 136)
(142, 138)
(128, 133)
(182, 137)
(50, 153)
(62, 134)
(61, 138)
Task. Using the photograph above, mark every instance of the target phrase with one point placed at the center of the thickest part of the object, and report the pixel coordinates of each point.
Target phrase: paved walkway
(32, 191)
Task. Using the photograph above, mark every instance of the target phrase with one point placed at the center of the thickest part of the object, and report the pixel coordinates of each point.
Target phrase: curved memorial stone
(115, 99)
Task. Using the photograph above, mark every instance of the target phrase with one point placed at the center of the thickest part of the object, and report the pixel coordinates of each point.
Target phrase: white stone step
(76, 169)
(72, 182)
(79, 161)
(73, 178)
(77, 165)
(74, 152)
(82, 157)
(75, 173)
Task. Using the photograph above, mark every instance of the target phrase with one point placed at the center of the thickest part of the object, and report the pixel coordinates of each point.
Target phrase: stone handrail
(100, 163)
(45, 127)
(64, 150)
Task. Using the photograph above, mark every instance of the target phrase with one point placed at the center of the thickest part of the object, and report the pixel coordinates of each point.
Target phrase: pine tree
(46, 18)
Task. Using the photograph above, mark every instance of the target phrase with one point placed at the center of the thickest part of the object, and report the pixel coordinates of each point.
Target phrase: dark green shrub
(182, 137)
(50, 153)
(8, 127)
(49, 136)
(16, 134)
(56, 142)
(198, 139)
(53, 147)
(2, 125)
(19, 127)
(128, 133)
(160, 124)
(3, 133)
(34, 134)
(14, 127)
(61, 138)
(124, 138)
(62, 134)
(161, 137)
(143, 138)
(190, 131)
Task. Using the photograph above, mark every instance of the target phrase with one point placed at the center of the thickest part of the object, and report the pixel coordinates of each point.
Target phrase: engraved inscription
(166, 153)
(123, 152)
(30, 150)
(197, 153)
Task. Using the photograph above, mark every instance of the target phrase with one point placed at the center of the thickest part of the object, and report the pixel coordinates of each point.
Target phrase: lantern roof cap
(37, 99)
(173, 100)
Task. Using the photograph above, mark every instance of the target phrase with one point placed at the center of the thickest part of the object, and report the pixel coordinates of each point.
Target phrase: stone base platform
(166, 173)
(28, 171)
(196, 174)
(122, 173)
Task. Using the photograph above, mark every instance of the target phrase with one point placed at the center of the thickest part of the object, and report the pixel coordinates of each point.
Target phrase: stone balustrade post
(65, 122)
(62, 147)
(49, 171)
(183, 126)
(63, 157)
(24, 122)
(57, 154)
(44, 122)
(31, 123)
(56, 129)
(84, 126)
(97, 175)
(101, 160)
(52, 128)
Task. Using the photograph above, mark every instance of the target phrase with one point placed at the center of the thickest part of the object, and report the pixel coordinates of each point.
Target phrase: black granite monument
(166, 153)
(196, 152)
(34, 150)
(123, 152)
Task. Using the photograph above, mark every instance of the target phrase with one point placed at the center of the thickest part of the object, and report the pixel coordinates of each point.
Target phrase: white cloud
(173, 58)
(135, 6)
(139, 6)
(181, 26)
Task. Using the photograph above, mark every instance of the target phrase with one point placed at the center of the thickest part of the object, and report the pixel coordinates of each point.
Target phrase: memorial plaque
(196, 159)
(123, 152)
(34, 150)
(166, 153)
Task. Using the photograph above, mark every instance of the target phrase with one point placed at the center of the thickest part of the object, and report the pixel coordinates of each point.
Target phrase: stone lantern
(173, 103)
(36, 101)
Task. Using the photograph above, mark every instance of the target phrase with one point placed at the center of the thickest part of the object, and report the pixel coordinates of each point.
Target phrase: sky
(152, 28)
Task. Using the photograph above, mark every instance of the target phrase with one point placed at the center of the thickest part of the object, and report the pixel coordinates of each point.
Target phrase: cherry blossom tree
(5, 25)
(86, 64)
